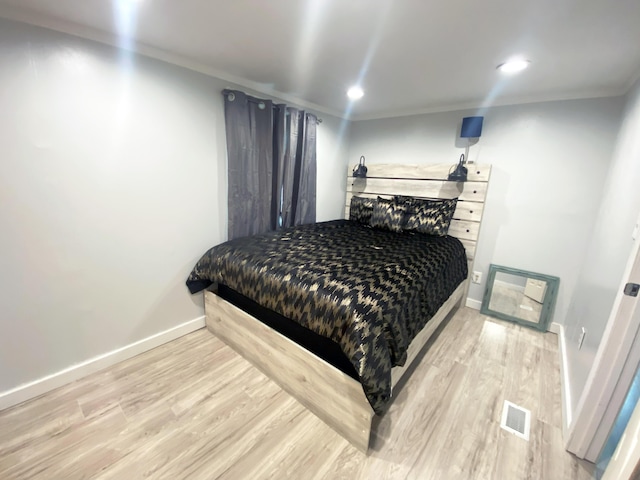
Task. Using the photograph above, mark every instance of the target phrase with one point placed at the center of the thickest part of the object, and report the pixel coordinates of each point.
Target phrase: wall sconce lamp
(360, 171)
(471, 128)
(459, 174)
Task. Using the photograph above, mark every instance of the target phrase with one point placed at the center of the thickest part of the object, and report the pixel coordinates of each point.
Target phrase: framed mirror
(519, 296)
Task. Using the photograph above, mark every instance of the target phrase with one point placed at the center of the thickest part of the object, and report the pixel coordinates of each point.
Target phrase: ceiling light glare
(513, 66)
(355, 92)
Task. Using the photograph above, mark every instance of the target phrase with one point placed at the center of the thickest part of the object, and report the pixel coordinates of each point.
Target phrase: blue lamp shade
(471, 127)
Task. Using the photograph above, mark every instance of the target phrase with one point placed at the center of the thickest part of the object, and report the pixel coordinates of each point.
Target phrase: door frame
(625, 462)
(612, 372)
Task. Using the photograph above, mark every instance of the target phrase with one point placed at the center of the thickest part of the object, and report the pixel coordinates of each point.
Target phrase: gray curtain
(296, 153)
(272, 165)
(284, 177)
(304, 197)
(249, 127)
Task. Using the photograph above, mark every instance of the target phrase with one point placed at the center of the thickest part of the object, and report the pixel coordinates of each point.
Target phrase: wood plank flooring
(195, 409)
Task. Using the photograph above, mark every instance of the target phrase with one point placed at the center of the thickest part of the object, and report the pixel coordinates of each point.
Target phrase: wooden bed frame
(329, 393)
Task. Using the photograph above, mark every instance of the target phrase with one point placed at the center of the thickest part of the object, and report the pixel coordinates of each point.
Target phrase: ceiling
(410, 56)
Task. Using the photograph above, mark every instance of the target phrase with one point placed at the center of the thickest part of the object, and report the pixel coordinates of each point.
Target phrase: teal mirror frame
(553, 283)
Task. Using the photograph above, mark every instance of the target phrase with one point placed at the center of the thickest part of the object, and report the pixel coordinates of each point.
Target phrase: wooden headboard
(430, 181)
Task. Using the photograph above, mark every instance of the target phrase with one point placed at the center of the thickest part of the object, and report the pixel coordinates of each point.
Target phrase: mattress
(368, 290)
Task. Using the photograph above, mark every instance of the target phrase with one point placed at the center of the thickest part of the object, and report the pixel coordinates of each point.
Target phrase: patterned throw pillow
(404, 199)
(430, 216)
(388, 215)
(361, 209)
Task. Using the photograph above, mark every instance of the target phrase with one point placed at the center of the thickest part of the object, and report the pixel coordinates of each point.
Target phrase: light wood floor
(195, 409)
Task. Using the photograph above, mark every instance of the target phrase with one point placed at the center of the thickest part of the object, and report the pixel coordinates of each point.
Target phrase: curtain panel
(271, 150)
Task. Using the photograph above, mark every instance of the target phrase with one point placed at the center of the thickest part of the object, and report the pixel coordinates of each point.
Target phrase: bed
(368, 291)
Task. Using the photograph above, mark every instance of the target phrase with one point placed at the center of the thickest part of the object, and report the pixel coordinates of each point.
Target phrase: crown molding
(635, 79)
(504, 102)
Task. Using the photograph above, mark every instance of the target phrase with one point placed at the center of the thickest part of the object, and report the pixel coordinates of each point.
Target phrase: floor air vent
(516, 420)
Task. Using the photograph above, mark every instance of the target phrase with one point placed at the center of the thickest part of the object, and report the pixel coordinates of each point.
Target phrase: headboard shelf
(471, 191)
(437, 171)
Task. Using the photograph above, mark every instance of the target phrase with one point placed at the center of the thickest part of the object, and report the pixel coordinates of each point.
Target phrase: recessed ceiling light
(355, 92)
(513, 66)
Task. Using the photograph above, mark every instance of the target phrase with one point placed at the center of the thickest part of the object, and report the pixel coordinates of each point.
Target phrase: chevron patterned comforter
(369, 290)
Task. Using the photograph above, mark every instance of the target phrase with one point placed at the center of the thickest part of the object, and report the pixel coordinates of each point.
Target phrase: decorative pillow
(399, 199)
(388, 215)
(430, 216)
(361, 209)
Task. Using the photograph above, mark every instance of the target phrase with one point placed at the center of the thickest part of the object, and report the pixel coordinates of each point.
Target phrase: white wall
(112, 184)
(332, 157)
(608, 250)
(549, 161)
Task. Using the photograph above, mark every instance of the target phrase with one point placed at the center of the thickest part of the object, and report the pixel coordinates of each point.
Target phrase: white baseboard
(33, 389)
(475, 304)
(554, 328)
(564, 382)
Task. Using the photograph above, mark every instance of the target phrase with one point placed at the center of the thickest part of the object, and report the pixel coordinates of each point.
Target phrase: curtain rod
(255, 100)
